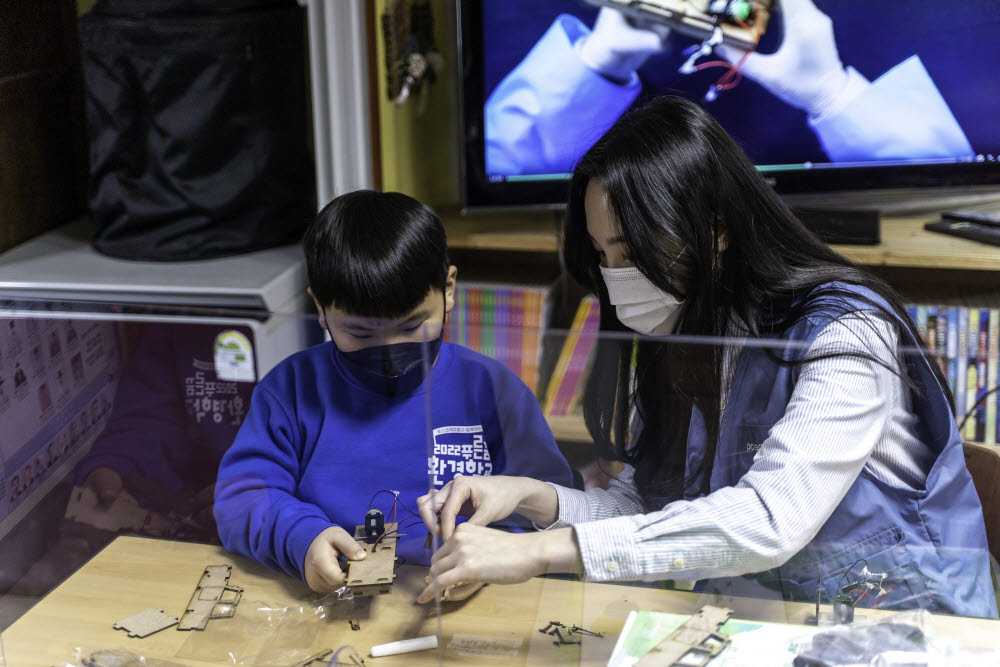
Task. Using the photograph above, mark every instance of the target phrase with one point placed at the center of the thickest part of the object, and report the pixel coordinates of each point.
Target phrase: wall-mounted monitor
(836, 95)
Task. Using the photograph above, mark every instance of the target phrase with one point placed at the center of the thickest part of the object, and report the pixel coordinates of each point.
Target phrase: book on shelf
(503, 321)
(965, 343)
(572, 368)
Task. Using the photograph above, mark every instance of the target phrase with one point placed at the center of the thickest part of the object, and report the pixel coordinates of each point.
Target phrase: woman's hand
(456, 593)
(477, 555)
(485, 500)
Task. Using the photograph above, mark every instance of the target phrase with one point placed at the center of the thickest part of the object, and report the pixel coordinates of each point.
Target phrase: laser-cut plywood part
(145, 623)
(321, 657)
(213, 598)
(374, 575)
(124, 514)
(693, 644)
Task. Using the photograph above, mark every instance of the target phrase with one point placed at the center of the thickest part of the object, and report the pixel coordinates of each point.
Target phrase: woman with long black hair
(785, 435)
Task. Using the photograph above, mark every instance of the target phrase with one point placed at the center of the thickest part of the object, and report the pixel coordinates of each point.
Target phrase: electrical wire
(840, 585)
(396, 499)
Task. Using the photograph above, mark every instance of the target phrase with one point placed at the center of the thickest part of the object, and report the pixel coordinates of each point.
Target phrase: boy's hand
(321, 569)
(106, 483)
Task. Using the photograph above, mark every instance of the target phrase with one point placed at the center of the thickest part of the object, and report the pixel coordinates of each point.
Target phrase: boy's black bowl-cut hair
(375, 254)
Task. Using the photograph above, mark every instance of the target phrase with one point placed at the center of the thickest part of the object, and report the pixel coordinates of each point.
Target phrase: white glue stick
(405, 646)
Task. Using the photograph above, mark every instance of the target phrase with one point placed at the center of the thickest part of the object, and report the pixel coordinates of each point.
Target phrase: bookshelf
(905, 243)
(924, 266)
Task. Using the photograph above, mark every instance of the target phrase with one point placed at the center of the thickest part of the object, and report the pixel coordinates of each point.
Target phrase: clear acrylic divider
(780, 478)
(115, 427)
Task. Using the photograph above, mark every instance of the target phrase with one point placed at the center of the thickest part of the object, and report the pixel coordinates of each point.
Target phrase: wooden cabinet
(43, 149)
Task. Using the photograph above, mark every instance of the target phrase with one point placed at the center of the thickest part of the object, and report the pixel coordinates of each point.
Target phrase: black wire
(975, 407)
(840, 584)
(398, 528)
(397, 498)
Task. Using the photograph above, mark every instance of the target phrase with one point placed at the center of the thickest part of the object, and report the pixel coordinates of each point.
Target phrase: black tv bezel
(479, 193)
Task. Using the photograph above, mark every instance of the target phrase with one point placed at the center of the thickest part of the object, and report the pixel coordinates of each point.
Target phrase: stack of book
(565, 388)
(509, 323)
(964, 341)
(966, 344)
(503, 321)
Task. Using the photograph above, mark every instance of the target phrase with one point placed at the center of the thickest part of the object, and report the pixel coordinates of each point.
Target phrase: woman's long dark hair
(681, 189)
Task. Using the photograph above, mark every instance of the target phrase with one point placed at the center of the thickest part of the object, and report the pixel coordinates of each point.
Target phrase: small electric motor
(374, 525)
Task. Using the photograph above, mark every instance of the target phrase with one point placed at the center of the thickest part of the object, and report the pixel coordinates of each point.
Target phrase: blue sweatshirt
(317, 444)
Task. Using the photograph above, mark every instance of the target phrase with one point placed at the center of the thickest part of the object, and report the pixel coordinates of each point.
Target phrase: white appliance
(65, 314)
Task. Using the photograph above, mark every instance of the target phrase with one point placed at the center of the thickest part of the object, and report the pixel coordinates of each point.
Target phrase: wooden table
(134, 573)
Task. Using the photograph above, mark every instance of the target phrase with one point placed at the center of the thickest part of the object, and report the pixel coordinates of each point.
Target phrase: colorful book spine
(921, 321)
(962, 361)
(498, 326)
(535, 316)
(556, 382)
(476, 319)
(489, 322)
(517, 331)
(951, 350)
(941, 344)
(527, 339)
(504, 350)
(981, 358)
(992, 353)
(932, 331)
(579, 358)
(971, 376)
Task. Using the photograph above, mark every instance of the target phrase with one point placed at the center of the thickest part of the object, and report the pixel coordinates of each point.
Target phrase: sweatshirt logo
(458, 450)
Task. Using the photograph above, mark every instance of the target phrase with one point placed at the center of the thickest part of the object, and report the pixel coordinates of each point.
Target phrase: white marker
(405, 646)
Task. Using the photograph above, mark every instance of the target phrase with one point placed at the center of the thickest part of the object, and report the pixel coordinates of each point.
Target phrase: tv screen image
(837, 94)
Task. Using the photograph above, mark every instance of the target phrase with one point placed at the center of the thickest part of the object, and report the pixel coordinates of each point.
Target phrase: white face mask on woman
(641, 306)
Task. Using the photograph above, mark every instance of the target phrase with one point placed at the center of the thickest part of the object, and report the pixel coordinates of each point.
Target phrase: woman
(813, 446)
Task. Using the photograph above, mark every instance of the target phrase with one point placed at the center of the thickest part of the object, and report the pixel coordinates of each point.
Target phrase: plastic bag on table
(260, 633)
(903, 639)
(87, 657)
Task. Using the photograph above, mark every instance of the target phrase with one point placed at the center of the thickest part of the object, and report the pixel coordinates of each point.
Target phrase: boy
(333, 425)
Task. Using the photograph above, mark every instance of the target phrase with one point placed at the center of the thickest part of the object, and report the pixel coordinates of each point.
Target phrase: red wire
(713, 63)
(392, 513)
(732, 77)
(866, 592)
(885, 593)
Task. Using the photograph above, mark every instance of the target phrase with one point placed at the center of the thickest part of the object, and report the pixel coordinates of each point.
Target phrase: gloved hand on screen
(805, 71)
(617, 47)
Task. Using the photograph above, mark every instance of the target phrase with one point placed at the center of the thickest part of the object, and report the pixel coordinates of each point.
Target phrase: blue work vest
(930, 543)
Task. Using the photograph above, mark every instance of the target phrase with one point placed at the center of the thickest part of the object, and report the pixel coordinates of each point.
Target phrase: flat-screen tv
(831, 95)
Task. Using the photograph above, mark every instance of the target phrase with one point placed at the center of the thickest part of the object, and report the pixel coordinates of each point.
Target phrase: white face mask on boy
(640, 305)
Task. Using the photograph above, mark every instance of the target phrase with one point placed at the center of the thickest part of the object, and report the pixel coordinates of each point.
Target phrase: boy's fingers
(346, 544)
(107, 483)
(331, 574)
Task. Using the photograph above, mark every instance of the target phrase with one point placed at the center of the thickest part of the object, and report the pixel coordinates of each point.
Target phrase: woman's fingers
(446, 575)
(460, 591)
(429, 505)
(459, 495)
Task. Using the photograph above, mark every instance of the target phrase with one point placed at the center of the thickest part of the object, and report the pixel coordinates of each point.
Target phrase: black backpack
(197, 117)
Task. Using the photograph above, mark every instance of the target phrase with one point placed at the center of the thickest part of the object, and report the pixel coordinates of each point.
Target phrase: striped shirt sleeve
(836, 417)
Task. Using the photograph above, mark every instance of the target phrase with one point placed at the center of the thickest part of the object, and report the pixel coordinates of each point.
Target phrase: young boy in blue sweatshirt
(331, 426)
